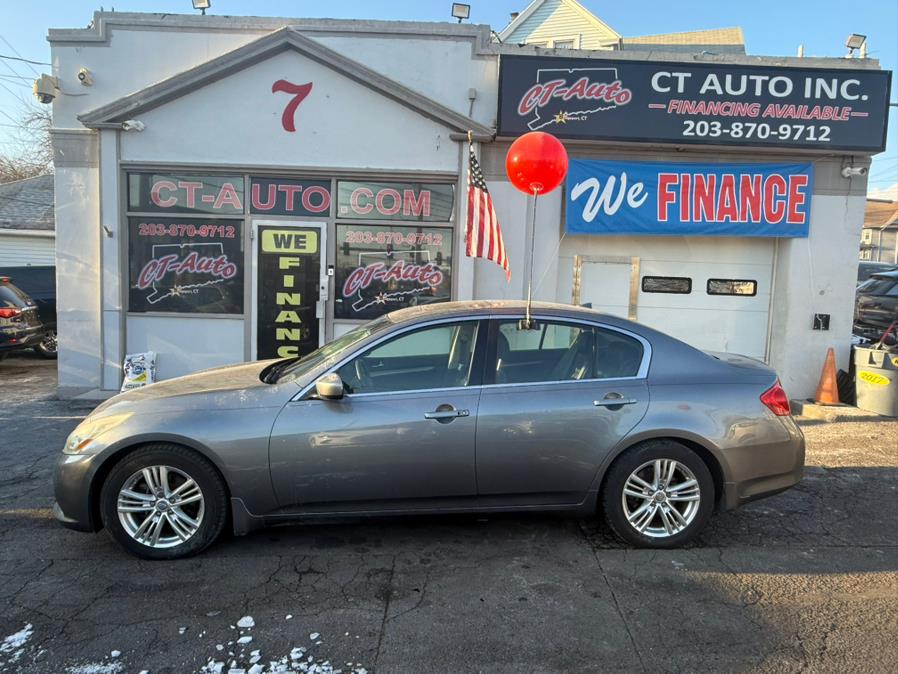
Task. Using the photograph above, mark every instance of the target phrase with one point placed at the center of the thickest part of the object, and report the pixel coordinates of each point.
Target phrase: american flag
(484, 236)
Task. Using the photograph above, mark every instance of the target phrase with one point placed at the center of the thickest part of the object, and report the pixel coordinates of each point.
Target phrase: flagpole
(528, 323)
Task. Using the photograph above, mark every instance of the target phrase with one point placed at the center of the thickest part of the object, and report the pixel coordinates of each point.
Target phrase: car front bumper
(72, 480)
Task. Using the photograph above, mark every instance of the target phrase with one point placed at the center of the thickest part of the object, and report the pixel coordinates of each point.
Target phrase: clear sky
(772, 27)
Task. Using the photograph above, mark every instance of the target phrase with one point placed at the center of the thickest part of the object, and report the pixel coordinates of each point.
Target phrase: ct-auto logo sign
(689, 103)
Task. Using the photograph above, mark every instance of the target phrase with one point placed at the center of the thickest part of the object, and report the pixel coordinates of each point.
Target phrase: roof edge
(112, 114)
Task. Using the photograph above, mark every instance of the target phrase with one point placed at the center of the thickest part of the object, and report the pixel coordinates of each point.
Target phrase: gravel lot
(807, 580)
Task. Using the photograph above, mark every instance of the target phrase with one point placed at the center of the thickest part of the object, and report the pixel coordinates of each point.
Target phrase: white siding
(20, 251)
(556, 19)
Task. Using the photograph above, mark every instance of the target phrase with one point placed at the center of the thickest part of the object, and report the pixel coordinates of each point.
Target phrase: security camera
(46, 87)
(854, 171)
(85, 77)
(133, 125)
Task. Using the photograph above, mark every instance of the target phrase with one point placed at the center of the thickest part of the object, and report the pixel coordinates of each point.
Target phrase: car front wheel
(164, 502)
(658, 495)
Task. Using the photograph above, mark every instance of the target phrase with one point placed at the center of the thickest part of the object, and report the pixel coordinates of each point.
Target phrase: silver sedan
(456, 407)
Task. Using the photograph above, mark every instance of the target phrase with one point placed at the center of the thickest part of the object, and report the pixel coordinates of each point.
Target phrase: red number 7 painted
(300, 91)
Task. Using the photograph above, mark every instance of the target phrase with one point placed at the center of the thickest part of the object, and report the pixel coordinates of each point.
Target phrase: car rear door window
(617, 355)
(440, 356)
(554, 351)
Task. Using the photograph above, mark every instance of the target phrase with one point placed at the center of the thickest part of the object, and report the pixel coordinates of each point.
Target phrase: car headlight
(85, 437)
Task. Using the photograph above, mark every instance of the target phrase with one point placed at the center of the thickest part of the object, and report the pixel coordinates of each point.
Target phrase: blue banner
(612, 197)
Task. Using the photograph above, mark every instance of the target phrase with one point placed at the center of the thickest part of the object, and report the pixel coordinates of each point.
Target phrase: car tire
(189, 525)
(48, 347)
(690, 494)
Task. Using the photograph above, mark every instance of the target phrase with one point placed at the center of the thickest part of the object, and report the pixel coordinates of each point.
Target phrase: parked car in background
(876, 307)
(866, 269)
(39, 283)
(20, 323)
(584, 412)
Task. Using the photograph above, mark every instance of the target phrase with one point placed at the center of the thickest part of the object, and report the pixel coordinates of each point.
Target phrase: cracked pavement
(803, 581)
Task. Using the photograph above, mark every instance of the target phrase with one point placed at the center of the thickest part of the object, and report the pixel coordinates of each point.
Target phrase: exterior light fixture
(460, 11)
(855, 41)
(202, 5)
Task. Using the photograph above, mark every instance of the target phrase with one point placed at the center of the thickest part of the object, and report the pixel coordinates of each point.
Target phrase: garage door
(712, 293)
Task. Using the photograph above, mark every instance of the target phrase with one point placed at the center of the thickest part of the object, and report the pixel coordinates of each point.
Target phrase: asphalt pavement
(804, 581)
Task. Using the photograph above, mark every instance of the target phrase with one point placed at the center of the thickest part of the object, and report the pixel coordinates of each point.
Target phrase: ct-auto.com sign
(684, 103)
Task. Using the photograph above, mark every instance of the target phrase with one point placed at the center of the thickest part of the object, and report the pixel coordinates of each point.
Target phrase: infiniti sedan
(452, 407)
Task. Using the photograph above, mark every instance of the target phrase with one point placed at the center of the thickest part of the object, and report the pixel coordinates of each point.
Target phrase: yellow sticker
(895, 361)
(873, 378)
(289, 241)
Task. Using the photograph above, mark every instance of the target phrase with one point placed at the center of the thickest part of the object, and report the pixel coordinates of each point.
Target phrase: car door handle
(614, 402)
(446, 414)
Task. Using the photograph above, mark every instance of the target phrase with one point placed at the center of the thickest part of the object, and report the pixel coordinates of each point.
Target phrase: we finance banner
(671, 199)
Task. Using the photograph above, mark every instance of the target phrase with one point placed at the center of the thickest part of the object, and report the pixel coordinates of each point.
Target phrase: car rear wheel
(658, 495)
(48, 345)
(164, 502)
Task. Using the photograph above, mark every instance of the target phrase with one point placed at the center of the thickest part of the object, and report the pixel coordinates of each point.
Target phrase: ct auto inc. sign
(686, 103)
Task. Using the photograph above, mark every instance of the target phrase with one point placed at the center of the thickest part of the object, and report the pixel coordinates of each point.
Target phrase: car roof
(492, 308)
(886, 274)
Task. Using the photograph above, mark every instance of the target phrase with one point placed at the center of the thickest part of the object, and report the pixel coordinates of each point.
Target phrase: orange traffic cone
(827, 390)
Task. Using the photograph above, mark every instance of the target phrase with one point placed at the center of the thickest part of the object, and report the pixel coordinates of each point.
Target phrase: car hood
(218, 388)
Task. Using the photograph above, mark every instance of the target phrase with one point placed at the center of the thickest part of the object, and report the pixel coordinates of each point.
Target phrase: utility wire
(16, 52)
(14, 58)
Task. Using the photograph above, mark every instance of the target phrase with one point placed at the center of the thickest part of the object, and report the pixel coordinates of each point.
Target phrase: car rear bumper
(20, 338)
(71, 485)
(759, 471)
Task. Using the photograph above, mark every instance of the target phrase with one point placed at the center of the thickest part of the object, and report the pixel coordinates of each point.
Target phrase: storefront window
(185, 265)
(381, 268)
(413, 202)
(179, 193)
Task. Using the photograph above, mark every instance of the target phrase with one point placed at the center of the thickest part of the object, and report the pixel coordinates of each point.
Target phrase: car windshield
(878, 285)
(332, 349)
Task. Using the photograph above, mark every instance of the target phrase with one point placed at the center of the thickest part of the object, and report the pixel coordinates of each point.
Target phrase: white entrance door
(290, 287)
(607, 284)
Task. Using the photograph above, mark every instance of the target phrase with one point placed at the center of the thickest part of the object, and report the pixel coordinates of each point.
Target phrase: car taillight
(9, 312)
(776, 400)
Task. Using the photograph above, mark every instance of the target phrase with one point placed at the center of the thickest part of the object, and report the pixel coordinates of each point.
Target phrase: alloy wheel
(49, 342)
(160, 506)
(661, 498)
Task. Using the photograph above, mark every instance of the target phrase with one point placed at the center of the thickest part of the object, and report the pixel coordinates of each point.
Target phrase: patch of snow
(115, 654)
(96, 668)
(246, 621)
(15, 643)
(289, 616)
(181, 630)
(244, 640)
(219, 647)
(313, 636)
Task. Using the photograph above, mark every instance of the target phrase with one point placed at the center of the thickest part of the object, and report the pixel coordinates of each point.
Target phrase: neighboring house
(27, 226)
(566, 24)
(879, 237)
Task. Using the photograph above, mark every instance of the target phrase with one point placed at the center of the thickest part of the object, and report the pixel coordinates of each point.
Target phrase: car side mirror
(329, 387)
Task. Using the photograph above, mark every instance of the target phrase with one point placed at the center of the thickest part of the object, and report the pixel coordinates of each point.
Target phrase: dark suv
(39, 283)
(20, 324)
(877, 305)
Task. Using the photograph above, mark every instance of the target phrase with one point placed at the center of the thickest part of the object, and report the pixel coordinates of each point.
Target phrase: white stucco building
(230, 188)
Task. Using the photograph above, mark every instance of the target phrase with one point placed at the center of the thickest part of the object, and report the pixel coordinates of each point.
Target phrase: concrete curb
(811, 410)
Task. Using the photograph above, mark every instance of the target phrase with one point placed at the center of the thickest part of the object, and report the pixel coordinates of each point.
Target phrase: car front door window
(440, 356)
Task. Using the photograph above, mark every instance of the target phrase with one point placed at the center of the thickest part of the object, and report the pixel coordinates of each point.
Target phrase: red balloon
(536, 162)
